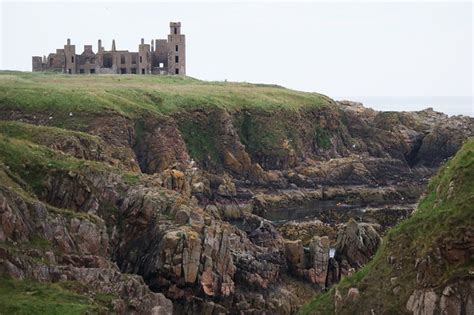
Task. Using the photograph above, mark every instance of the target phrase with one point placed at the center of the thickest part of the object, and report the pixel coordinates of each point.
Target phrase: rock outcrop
(425, 263)
(169, 202)
(311, 264)
(357, 243)
(75, 250)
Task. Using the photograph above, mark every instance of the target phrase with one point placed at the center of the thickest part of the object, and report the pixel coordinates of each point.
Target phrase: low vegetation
(444, 214)
(130, 95)
(29, 297)
(42, 134)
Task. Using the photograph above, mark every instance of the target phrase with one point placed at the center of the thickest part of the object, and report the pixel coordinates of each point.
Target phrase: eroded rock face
(306, 230)
(193, 254)
(80, 246)
(453, 297)
(457, 298)
(311, 265)
(159, 145)
(357, 244)
(445, 138)
(294, 253)
(319, 258)
(185, 228)
(422, 302)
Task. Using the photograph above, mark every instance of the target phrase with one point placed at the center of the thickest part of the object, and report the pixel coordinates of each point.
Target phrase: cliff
(425, 265)
(143, 194)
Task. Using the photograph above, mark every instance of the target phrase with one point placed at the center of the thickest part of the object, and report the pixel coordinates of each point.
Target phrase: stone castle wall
(163, 56)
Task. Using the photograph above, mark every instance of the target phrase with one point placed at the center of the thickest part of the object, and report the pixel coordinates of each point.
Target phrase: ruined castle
(163, 56)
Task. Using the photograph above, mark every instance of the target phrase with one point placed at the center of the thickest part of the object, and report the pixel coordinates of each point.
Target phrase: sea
(450, 105)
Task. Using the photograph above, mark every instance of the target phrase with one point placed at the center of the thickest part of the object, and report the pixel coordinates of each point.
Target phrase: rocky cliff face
(425, 264)
(177, 211)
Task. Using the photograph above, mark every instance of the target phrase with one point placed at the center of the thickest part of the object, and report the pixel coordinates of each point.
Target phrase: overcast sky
(339, 49)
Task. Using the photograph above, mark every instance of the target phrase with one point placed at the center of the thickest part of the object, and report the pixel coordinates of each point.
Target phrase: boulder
(357, 243)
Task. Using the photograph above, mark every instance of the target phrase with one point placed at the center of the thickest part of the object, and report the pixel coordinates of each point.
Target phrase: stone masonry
(162, 56)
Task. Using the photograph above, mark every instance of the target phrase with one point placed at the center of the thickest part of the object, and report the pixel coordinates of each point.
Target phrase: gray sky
(339, 49)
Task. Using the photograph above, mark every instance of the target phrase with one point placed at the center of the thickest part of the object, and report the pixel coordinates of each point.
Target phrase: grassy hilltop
(265, 116)
(132, 94)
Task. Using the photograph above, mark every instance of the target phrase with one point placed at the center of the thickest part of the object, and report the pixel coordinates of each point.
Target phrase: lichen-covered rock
(357, 243)
(306, 230)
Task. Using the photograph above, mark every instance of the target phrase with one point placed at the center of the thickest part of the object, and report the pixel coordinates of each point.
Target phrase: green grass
(42, 134)
(131, 178)
(259, 135)
(446, 207)
(323, 303)
(41, 243)
(27, 153)
(322, 137)
(30, 162)
(201, 138)
(443, 214)
(30, 297)
(132, 95)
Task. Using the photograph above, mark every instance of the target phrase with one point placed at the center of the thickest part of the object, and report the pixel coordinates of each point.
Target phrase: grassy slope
(131, 94)
(443, 214)
(28, 297)
(28, 163)
(41, 134)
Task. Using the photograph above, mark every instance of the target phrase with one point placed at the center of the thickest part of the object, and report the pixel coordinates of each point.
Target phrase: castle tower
(70, 55)
(37, 63)
(177, 50)
(99, 46)
(144, 58)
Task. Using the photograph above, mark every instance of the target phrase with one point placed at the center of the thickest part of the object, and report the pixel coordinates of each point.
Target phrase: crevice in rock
(412, 156)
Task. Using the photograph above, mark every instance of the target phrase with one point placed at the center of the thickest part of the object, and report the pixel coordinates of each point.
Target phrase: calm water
(330, 211)
(451, 105)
